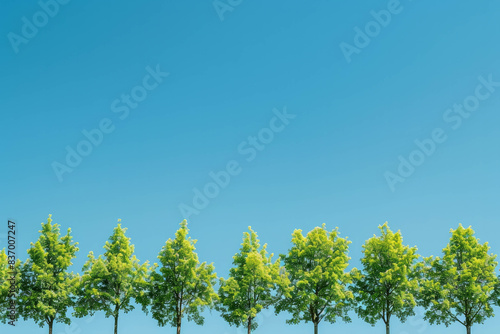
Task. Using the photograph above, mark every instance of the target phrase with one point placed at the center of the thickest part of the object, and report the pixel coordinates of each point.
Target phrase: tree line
(311, 282)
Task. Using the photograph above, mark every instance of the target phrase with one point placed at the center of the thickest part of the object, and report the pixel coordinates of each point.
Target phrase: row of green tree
(311, 282)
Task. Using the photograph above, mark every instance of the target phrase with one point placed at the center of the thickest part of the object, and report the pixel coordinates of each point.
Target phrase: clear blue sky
(328, 165)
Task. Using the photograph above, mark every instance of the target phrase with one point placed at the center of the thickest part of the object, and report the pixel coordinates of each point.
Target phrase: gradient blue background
(353, 121)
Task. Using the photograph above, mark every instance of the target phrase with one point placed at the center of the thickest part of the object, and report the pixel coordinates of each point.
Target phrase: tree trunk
(116, 324)
(388, 322)
(117, 313)
(249, 325)
(469, 329)
(178, 324)
(50, 326)
(316, 328)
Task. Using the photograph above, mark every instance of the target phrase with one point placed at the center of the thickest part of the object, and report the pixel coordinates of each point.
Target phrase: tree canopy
(316, 267)
(47, 288)
(311, 281)
(252, 284)
(181, 286)
(459, 286)
(388, 283)
(111, 282)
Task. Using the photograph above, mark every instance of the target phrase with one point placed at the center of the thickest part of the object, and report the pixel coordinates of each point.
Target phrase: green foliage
(313, 284)
(388, 283)
(459, 287)
(315, 266)
(4, 286)
(496, 293)
(46, 286)
(252, 283)
(9, 269)
(112, 281)
(183, 286)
